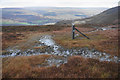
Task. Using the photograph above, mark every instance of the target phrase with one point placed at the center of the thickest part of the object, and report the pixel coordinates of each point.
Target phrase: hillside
(49, 52)
(109, 16)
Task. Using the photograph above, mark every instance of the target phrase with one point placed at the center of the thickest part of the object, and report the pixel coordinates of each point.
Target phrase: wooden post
(73, 31)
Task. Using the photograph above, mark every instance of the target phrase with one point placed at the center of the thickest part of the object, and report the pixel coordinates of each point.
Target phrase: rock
(40, 47)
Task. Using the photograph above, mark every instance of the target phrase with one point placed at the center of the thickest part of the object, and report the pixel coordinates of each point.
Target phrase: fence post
(73, 31)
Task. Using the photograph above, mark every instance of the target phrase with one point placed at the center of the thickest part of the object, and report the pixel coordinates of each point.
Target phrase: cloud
(59, 3)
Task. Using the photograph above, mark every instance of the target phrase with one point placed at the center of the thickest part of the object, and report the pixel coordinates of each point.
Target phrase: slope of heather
(109, 16)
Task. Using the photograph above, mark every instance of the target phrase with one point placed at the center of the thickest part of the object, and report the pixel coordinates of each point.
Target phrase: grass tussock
(21, 67)
(77, 67)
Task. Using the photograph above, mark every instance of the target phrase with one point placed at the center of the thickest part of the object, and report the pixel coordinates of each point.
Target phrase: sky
(58, 3)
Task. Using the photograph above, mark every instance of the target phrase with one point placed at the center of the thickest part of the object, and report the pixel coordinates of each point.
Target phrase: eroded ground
(40, 56)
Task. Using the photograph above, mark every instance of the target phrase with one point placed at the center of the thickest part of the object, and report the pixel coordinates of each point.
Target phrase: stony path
(51, 48)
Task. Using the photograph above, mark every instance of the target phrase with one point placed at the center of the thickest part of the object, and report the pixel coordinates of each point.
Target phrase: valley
(44, 15)
(37, 43)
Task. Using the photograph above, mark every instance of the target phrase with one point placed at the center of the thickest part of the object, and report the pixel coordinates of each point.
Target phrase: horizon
(58, 3)
(56, 7)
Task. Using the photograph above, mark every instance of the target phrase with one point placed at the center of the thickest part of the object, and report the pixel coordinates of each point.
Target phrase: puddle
(54, 49)
(102, 28)
(47, 40)
(54, 61)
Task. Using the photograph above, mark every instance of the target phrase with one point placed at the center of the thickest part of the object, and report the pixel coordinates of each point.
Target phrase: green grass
(39, 21)
(23, 23)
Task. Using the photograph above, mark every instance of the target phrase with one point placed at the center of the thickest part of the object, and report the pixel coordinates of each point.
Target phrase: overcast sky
(58, 3)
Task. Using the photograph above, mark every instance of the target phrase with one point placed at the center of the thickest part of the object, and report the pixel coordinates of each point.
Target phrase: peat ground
(24, 37)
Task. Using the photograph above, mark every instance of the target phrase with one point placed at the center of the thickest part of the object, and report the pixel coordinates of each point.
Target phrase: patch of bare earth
(15, 35)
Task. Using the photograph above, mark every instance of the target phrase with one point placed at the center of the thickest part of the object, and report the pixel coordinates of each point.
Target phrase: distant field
(41, 16)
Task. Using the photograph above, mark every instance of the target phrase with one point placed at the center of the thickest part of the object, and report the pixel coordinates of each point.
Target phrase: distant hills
(109, 16)
(44, 15)
(22, 16)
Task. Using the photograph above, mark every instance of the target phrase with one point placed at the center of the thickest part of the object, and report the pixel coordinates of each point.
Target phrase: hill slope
(109, 16)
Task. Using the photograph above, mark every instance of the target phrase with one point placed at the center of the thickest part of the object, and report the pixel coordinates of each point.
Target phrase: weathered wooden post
(73, 31)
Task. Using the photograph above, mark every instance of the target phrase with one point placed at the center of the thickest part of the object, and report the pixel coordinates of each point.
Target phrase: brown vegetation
(77, 67)
(12, 35)
(104, 41)
(42, 28)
